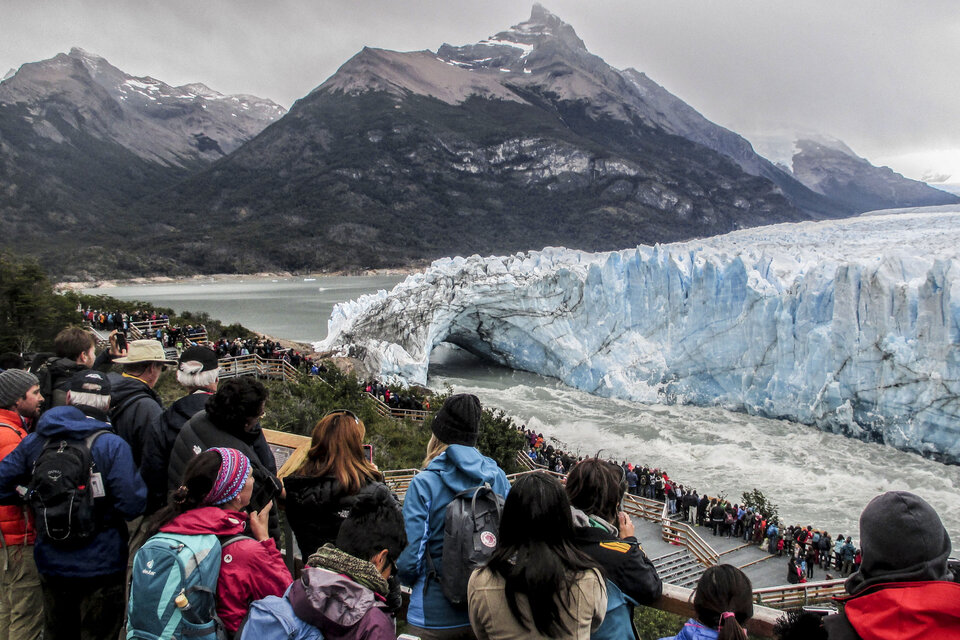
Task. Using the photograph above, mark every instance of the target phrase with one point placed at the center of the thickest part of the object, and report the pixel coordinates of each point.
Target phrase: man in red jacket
(903, 588)
(21, 609)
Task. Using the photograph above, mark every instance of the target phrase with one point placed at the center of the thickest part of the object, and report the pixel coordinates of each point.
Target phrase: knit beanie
(234, 469)
(458, 421)
(14, 384)
(903, 540)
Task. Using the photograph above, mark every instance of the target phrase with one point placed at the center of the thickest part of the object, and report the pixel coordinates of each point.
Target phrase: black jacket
(158, 443)
(623, 561)
(199, 434)
(315, 508)
(133, 408)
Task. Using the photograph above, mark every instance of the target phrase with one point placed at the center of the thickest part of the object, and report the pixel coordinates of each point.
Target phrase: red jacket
(903, 611)
(15, 523)
(249, 570)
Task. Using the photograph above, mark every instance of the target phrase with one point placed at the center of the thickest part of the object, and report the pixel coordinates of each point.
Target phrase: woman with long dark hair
(537, 584)
(321, 490)
(723, 601)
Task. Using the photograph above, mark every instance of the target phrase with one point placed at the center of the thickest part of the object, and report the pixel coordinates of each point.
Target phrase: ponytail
(723, 600)
(198, 480)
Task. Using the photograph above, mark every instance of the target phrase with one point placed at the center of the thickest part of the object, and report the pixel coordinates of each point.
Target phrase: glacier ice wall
(850, 325)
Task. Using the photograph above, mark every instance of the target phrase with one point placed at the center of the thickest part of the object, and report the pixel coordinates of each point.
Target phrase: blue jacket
(457, 469)
(125, 498)
(693, 630)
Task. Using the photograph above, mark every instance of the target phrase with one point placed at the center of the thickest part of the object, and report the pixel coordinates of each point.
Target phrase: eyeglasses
(342, 412)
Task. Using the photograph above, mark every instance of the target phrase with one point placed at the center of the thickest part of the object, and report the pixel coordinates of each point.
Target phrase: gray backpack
(470, 530)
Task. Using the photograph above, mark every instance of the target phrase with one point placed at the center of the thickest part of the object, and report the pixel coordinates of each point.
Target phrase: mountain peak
(513, 48)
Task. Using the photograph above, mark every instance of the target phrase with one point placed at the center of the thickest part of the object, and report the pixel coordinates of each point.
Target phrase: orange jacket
(15, 524)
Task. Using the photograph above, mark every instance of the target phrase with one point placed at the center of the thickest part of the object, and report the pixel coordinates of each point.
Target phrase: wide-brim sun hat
(144, 351)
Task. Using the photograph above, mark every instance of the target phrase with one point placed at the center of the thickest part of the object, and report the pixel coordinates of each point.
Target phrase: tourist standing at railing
(323, 485)
(723, 602)
(605, 533)
(452, 465)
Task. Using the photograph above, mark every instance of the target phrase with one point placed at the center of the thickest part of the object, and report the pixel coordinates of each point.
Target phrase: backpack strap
(116, 412)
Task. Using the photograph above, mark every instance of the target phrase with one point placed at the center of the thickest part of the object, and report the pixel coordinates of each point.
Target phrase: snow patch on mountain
(850, 325)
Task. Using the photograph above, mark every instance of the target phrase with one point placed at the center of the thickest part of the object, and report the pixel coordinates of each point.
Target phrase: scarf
(361, 571)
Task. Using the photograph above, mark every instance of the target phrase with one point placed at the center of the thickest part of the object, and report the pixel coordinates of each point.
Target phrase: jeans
(82, 608)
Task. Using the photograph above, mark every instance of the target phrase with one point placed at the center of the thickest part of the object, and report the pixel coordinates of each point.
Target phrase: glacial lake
(815, 477)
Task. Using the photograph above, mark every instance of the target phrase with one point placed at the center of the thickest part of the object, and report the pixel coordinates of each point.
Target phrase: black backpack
(470, 529)
(62, 490)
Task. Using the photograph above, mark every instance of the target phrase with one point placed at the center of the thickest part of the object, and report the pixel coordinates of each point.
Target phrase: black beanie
(458, 421)
(903, 540)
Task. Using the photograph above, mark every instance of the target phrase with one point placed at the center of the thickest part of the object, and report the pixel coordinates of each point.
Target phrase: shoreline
(107, 284)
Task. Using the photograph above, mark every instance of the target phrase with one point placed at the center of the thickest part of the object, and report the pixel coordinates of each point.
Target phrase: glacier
(850, 325)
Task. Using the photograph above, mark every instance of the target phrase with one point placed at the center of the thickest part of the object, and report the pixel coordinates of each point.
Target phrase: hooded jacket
(134, 406)
(903, 589)
(15, 525)
(340, 607)
(457, 469)
(125, 495)
(249, 569)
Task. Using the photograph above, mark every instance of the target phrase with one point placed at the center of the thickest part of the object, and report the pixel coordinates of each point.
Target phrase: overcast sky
(884, 76)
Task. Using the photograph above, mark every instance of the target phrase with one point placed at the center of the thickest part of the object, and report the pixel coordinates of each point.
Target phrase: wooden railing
(386, 410)
(791, 596)
(399, 480)
(144, 329)
(255, 365)
(678, 600)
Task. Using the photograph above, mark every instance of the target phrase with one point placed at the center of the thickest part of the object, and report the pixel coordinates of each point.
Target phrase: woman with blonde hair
(322, 488)
(453, 464)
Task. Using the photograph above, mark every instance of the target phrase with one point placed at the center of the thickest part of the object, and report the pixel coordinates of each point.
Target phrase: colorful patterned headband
(234, 469)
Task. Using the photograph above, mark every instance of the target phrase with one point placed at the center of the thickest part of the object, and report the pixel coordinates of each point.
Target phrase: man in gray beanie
(903, 581)
(21, 614)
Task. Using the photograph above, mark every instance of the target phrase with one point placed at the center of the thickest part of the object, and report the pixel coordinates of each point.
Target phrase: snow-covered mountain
(174, 126)
(829, 167)
(851, 325)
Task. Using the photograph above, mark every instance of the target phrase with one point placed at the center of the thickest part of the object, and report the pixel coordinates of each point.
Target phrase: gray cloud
(880, 75)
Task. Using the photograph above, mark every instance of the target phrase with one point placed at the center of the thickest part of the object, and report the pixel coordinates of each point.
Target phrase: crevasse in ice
(849, 325)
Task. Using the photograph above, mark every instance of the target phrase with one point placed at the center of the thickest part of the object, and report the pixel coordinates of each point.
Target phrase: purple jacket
(341, 608)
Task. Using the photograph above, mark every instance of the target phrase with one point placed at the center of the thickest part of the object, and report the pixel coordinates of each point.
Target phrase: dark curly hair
(236, 401)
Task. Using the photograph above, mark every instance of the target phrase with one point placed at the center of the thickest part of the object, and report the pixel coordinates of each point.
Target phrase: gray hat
(14, 384)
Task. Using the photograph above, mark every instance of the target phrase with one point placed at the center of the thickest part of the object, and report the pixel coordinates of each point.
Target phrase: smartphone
(121, 342)
(368, 449)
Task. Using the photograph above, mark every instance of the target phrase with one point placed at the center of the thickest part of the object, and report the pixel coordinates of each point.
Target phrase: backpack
(169, 565)
(62, 490)
(273, 618)
(470, 530)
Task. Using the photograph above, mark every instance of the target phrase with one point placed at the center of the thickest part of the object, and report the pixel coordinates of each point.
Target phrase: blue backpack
(173, 588)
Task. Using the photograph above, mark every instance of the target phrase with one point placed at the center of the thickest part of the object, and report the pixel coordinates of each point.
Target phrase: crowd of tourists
(394, 399)
(120, 512)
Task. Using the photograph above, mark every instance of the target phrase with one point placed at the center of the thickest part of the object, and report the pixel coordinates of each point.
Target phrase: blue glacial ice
(850, 325)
